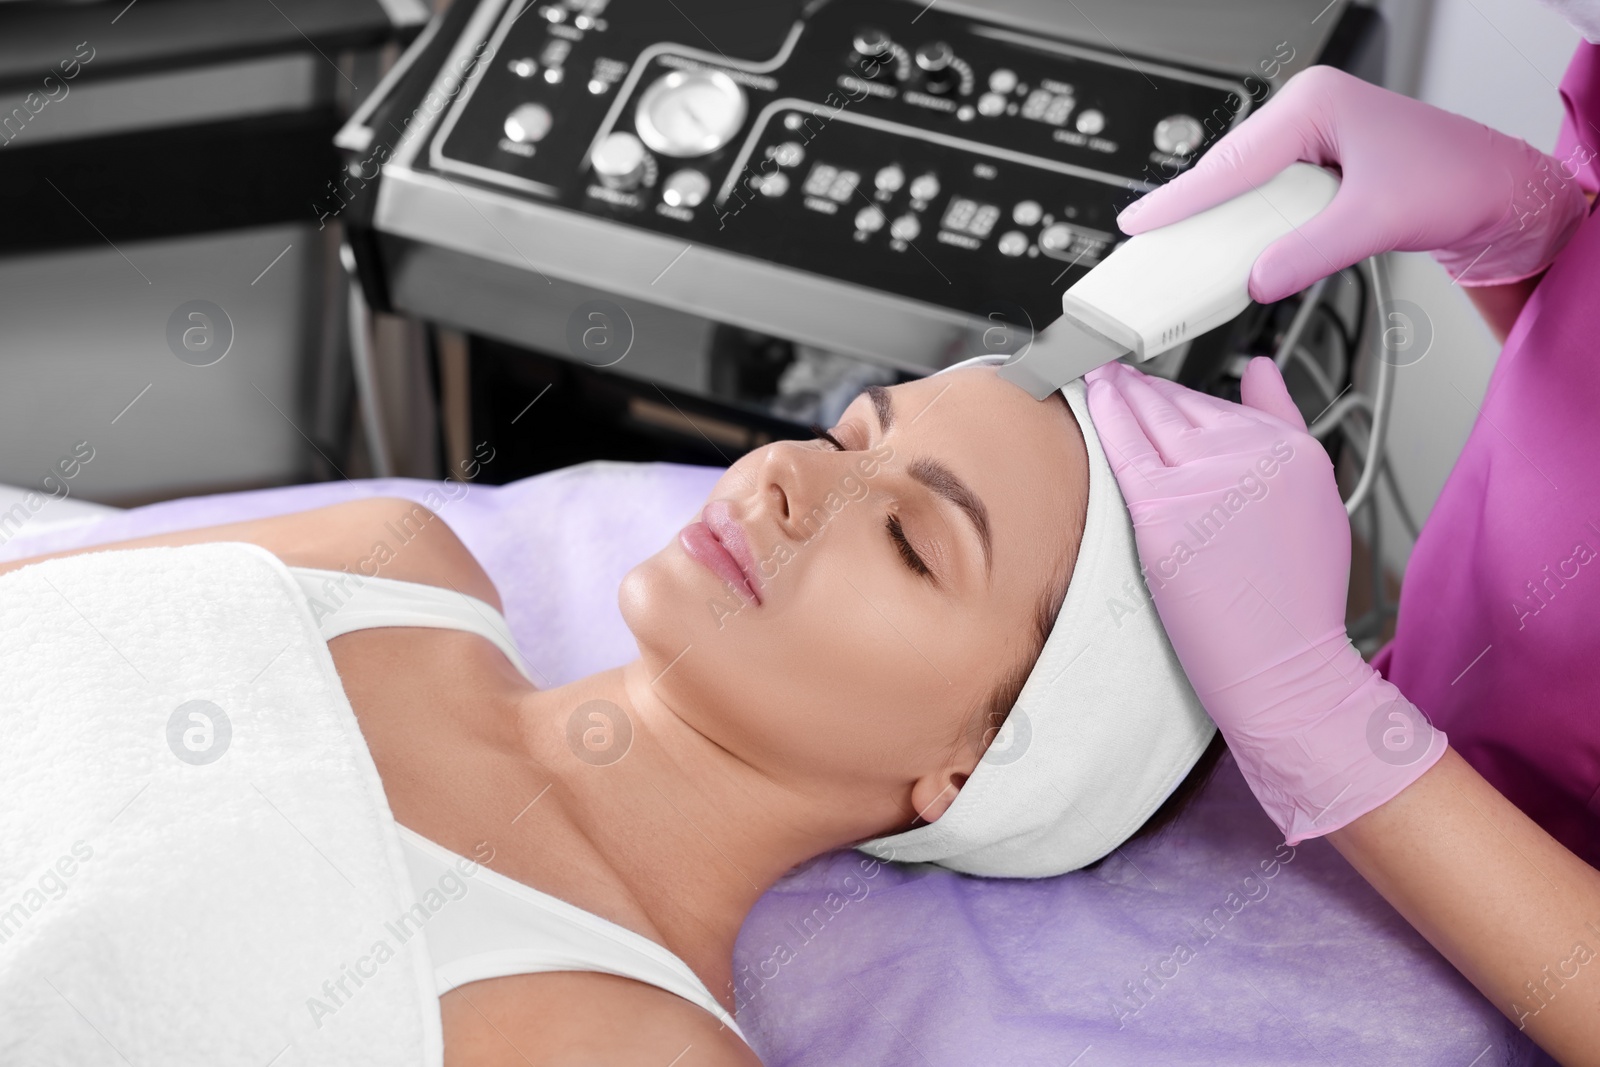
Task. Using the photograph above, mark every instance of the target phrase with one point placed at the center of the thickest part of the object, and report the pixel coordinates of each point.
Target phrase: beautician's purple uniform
(1498, 636)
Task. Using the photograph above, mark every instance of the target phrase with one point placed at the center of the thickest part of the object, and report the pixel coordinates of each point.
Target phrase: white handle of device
(1166, 285)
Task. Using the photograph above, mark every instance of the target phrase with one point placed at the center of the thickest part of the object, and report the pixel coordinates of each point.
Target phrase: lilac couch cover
(1215, 944)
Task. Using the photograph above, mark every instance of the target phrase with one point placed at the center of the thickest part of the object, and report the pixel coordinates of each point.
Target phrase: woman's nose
(791, 480)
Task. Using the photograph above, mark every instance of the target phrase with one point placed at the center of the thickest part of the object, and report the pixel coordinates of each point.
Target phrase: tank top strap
(342, 603)
(480, 924)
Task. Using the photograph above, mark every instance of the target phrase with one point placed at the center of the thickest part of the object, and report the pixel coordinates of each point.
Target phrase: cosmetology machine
(711, 222)
(890, 183)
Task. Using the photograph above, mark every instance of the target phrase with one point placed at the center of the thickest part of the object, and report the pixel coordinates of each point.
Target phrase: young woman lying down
(826, 659)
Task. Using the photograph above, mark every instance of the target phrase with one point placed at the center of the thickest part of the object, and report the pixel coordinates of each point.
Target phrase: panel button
(869, 219)
(1002, 80)
(1056, 237)
(528, 123)
(774, 184)
(1091, 122)
(1013, 243)
(905, 228)
(924, 187)
(619, 160)
(889, 179)
(991, 104)
(787, 154)
(1178, 135)
(685, 188)
(1027, 212)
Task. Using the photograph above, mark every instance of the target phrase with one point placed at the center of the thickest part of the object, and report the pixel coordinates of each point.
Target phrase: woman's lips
(719, 544)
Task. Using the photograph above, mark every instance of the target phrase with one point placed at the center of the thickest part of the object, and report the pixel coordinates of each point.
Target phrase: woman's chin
(638, 595)
(660, 598)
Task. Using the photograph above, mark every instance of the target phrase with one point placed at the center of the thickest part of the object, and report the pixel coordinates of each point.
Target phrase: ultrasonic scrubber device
(1164, 286)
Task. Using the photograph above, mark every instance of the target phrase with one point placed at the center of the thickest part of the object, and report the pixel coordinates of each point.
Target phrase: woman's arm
(1502, 900)
(580, 1019)
(1501, 304)
(416, 545)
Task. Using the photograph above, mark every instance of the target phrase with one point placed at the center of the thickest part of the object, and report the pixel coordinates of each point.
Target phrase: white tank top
(493, 926)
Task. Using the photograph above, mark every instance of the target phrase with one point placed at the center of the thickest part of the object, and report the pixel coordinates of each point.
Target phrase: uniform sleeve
(1578, 146)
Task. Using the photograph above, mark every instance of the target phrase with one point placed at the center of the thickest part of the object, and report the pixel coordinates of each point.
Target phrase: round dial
(620, 160)
(690, 112)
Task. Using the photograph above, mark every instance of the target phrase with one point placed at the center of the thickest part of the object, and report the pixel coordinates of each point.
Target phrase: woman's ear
(932, 794)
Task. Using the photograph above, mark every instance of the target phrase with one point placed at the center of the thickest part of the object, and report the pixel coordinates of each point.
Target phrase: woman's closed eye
(897, 533)
(824, 435)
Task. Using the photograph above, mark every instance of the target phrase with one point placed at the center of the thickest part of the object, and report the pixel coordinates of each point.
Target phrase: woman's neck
(692, 833)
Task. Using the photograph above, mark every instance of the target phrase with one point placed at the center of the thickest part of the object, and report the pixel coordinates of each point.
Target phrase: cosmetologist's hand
(1246, 550)
(1492, 208)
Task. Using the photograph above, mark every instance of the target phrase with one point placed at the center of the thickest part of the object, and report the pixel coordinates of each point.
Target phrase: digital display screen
(1044, 106)
(970, 217)
(829, 181)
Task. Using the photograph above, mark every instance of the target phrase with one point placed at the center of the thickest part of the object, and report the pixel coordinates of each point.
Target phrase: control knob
(873, 43)
(875, 50)
(619, 161)
(937, 61)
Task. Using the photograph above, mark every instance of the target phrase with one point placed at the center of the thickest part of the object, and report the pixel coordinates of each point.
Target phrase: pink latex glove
(1246, 551)
(1491, 208)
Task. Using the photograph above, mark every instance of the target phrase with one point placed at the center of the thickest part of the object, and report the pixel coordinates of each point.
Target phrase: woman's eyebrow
(943, 481)
(940, 479)
(883, 404)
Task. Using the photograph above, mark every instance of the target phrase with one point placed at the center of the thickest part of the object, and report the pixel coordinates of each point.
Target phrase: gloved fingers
(1218, 428)
(1165, 426)
(1262, 388)
(1134, 460)
(1336, 237)
(1202, 409)
(1256, 150)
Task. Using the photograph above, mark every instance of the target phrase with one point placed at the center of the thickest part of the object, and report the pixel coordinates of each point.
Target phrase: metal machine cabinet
(653, 192)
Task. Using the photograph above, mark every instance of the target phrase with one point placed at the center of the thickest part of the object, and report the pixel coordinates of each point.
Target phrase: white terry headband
(1105, 728)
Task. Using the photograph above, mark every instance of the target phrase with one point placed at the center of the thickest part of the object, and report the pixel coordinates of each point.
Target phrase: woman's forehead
(974, 400)
(1025, 458)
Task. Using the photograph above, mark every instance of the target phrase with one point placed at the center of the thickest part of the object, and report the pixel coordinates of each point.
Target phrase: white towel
(157, 908)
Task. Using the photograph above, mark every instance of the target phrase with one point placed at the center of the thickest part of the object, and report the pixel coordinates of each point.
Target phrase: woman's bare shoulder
(567, 1018)
(381, 536)
(392, 537)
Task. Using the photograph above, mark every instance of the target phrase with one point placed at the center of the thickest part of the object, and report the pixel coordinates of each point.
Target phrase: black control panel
(881, 143)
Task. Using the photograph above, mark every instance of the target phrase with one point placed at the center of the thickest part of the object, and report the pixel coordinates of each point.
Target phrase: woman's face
(835, 657)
